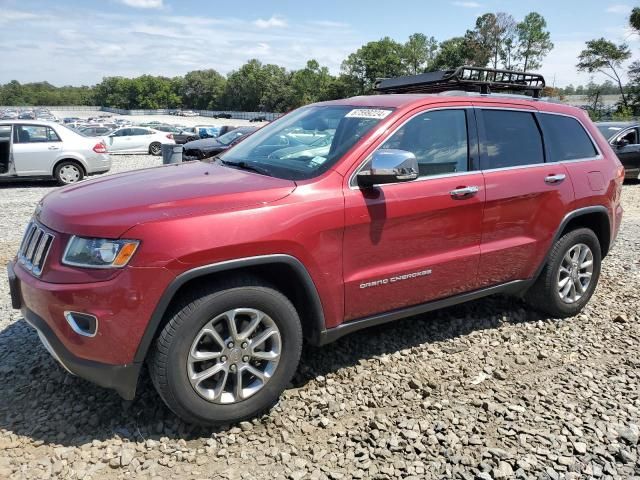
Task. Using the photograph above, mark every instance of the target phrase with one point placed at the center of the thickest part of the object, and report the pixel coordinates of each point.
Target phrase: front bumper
(124, 306)
(121, 378)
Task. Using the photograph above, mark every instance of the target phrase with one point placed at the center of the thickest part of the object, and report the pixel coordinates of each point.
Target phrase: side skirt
(327, 336)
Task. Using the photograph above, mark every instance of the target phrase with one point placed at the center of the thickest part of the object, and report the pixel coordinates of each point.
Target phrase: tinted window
(566, 138)
(438, 139)
(511, 139)
(140, 131)
(5, 131)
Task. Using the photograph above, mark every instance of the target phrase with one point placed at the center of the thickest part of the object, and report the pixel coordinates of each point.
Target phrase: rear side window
(565, 138)
(512, 139)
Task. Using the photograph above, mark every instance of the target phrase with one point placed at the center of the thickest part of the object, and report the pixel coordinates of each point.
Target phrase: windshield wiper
(246, 166)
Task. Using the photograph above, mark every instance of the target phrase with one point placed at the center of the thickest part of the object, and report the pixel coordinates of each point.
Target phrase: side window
(30, 134)
(565, 138)
(512, 139)
(5, 132)
(52, 136)
(438, 139)
(140, 131)
(125, 132)
(630, 136)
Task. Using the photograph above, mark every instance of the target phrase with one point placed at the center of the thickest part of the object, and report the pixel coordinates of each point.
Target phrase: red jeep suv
(335, 217)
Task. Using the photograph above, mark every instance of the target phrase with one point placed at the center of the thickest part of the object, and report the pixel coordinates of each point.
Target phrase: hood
(203, 144)
(110, 205)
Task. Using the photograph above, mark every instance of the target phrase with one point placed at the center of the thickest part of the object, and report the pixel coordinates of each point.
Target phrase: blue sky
(80, 41)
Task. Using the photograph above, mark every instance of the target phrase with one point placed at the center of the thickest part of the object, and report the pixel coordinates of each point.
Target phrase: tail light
(100, 147)
(170, 136)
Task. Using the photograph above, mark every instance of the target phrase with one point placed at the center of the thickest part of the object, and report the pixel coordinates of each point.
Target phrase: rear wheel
(155, 148)
(570, 276)
(68, 172)
(227, 353)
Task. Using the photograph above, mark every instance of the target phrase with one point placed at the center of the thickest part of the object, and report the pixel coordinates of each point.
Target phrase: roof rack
(466, 78)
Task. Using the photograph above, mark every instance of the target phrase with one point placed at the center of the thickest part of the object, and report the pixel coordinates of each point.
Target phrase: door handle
(54, 148)
(552, 179)
(464, 192)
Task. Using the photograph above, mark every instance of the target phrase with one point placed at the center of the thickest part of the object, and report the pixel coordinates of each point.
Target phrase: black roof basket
(466, 78)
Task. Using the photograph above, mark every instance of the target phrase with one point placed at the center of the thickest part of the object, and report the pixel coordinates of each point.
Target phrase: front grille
(34, 248)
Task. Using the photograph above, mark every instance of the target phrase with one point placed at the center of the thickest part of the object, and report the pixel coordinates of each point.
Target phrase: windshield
(306, 142)
(229, 137)
(608, 131)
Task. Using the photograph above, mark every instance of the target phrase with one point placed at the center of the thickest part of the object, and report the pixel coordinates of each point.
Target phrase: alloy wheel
(234, 355)
(574, 275)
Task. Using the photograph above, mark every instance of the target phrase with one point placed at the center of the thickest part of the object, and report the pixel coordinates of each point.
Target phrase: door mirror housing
(389, 166)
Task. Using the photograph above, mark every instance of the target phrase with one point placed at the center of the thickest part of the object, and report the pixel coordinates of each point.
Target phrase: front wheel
(155, 149)
(570, 276)
(227, 353)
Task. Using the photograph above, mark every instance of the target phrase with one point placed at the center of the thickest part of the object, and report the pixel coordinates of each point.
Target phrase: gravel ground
(485, 390)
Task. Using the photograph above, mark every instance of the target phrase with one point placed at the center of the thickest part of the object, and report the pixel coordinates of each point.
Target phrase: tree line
(496, 40)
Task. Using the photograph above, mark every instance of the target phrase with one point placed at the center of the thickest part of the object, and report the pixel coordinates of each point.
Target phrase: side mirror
(389, 166)
(623, 142)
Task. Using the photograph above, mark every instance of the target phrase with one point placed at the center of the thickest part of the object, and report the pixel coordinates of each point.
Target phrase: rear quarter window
(566, 138)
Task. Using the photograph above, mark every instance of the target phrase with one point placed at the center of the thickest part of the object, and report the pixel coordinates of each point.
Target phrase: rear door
(35, 149)
(409, 243)
(526, 198)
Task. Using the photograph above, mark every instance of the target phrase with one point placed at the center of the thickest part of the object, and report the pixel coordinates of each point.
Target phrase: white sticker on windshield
(378, 114)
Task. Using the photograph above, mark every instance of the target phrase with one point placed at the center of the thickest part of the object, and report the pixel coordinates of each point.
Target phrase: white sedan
(137, 140)
(37, 148)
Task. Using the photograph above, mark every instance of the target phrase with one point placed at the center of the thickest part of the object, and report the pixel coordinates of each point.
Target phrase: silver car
(37, 148)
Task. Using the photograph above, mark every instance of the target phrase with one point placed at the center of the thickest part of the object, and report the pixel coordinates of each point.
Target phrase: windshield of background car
(229, 137)
(609, 131)
(306, 142)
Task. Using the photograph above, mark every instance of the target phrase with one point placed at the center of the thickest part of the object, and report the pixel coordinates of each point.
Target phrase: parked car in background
(94, 131)
(70, 119)
(260, 118)
(204, 131)
(187, 113)
(624, 138)
(226, 129)
(223, 115)
(180, 135)
(28, 115)
(209, 147)
(37, 148)
(137, 140)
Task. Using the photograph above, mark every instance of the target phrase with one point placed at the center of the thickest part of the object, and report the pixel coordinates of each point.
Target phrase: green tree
(606, 57)
(203, 89)
(311, 84)
(634, 19)
(374, 60)
(419, 52)
(534, 41)
(490, 37)
(455, 52)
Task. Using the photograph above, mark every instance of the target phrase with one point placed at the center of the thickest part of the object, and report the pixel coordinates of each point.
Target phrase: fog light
(82, 323)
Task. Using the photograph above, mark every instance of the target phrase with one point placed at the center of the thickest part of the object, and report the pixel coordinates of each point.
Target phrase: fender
(317, 319)
(567, 218)
(71, 156)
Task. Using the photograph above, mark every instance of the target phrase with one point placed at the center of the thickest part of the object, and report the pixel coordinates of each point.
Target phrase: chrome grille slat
(34, 248)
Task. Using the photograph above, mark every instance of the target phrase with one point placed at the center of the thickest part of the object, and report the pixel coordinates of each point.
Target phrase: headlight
(99, 252)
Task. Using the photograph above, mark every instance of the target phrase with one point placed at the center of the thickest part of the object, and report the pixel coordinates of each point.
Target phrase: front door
(409, 243)
(627, 147)
(526, 198)
(35, 149)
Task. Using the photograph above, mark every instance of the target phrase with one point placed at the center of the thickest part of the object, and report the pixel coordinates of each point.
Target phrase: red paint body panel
(197, 214)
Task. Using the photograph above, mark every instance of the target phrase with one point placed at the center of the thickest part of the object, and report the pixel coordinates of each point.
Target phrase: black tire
(168, 358)
(191, 139)
(544, 294)
(68, 172)
(155, 149)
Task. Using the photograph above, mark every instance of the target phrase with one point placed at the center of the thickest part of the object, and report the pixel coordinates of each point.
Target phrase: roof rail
(466, 78)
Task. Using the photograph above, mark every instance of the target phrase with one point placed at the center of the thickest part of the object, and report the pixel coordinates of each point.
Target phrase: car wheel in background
(68, 172)
(155, 148)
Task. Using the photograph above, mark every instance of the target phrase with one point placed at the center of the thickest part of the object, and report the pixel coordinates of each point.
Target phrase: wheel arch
(595, 218)
(285, 272)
